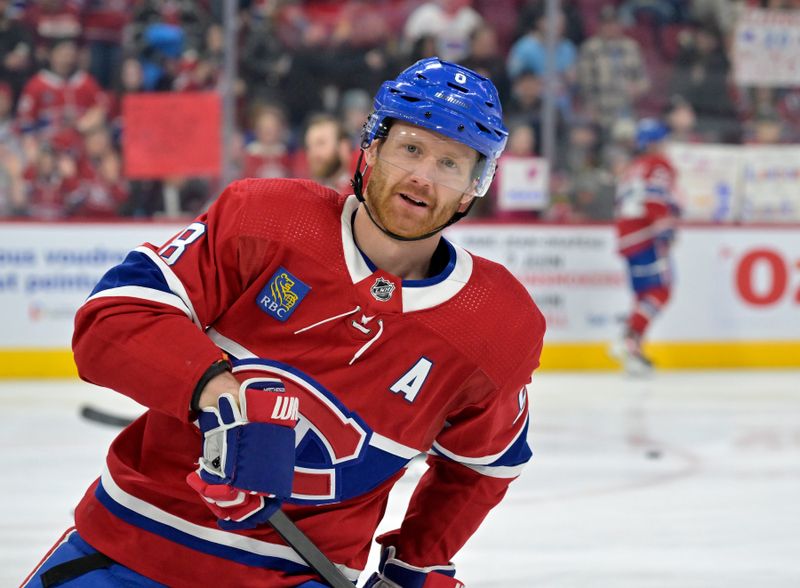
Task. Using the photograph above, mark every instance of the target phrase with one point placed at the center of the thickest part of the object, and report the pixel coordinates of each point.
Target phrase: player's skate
(629, 353)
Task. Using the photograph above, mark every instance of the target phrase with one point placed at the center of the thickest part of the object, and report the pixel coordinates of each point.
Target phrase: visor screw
(428, 114)
(460, 127)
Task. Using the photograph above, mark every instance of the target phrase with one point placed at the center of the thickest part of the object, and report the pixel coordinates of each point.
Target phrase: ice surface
(685, 480)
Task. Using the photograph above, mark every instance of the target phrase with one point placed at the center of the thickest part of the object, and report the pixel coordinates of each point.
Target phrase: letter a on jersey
(411, 382)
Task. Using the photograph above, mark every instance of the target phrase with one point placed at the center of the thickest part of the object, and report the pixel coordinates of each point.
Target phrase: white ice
(685, 480)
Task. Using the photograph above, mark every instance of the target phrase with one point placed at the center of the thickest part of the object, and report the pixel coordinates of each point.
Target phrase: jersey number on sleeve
(172, 251)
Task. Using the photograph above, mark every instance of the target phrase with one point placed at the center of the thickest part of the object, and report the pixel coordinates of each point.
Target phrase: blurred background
(121, 120)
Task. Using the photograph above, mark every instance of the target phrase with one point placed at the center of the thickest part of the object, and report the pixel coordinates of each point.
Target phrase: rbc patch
(282, 294)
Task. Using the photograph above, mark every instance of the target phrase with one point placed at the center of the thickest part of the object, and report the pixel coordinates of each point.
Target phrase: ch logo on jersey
(282, 294)
(382, 290)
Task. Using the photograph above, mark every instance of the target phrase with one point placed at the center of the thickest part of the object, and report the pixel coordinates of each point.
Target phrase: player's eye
(449, 164)
(409, 148)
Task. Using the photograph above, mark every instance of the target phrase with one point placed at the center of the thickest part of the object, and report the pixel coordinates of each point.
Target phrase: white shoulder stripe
(174, 283)
(480, 461)
(144, 294)
(217, 536)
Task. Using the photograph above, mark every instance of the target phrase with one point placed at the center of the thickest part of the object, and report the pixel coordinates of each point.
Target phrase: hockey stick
(306, 549)
(97, 415)
(282, 524)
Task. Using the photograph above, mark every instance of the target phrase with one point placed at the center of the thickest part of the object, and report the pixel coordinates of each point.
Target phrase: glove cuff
(408, 576)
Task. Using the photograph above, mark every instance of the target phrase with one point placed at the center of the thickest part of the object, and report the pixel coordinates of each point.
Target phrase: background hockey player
(296, 349)
(646, 216)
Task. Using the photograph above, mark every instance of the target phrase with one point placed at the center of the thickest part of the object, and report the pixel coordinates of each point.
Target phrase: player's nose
(424, 172)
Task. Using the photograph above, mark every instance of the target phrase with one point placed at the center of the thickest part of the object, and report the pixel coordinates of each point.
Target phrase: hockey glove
(251, 446)
(394, 573)
(234, 509)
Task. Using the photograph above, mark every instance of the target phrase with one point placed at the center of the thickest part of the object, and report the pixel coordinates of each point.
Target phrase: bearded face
(419, 180)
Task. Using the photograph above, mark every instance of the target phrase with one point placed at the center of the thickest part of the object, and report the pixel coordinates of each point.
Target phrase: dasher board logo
(382, 289)
(282, 294)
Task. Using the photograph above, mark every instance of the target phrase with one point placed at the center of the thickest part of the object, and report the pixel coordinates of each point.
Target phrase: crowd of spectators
(307, 71)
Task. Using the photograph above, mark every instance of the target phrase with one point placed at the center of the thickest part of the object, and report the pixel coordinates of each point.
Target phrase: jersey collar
(417, 294)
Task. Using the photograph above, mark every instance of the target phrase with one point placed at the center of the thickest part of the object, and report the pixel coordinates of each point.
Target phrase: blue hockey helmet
(649, 131)
(449, 99)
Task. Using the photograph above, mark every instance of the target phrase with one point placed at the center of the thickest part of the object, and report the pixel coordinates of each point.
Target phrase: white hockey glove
(394, 573)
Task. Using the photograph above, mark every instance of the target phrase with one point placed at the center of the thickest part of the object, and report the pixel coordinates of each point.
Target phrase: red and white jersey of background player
(385, 370)
(50, 99)
(645, 207)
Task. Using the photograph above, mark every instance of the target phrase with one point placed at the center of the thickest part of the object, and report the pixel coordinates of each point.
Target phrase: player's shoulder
(494, 321)
(272, 208)
(505, 290)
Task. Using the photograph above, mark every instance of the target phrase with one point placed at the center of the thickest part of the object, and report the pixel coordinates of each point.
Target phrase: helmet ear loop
(358, 177)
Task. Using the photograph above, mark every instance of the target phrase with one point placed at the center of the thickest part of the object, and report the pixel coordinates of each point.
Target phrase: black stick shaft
(306, 549)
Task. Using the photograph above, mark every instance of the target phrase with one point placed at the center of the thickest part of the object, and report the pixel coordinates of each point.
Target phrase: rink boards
(735, 303)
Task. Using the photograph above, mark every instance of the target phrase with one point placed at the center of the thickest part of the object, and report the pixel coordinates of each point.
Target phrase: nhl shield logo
(382, 290)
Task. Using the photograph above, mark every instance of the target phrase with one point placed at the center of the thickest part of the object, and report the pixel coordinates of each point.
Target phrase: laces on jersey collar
(364, 320)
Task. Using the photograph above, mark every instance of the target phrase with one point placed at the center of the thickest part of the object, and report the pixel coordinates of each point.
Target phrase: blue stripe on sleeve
(135, 270)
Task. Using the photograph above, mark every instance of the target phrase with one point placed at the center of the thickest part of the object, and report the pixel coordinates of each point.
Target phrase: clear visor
(439, 160)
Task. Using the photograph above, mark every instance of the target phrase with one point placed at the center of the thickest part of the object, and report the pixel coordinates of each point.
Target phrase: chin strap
(358, 184)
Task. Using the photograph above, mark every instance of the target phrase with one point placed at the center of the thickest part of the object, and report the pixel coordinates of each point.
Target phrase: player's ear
(371, 153)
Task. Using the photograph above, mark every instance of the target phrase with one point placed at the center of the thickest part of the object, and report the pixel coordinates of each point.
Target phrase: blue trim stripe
(439, 278)
(517, 454)
(432, 281)
(135, 270)
(192, 542)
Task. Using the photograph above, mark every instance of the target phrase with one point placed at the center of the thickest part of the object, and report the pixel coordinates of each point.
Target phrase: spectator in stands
(103, 192)
(573, 25)
(722, 13)
(591, 187)
(265, 60)
(103, 28)
(61, 98)
(268, 155)
(788, 107)
(328, 152)
(701, 77)
(658, 14)
(51, 20)
(190, 16)
(51, 180)
(16, 51)
(682, 121)
(450, 21)
(200, 70)
(765, 130)
(526, 106)
(12, 200)
(529, 53)
(356, 105)
(611, 72)
(486, 59)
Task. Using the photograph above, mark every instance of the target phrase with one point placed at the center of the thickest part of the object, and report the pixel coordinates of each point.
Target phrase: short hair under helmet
(446, 98)
(650, 130)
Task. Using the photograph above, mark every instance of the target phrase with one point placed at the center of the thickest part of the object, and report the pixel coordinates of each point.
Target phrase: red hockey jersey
(385, 370)
(50, 100)
(646, 208)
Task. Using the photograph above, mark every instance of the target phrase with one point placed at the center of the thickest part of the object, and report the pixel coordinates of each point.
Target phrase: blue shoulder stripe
(135, 270)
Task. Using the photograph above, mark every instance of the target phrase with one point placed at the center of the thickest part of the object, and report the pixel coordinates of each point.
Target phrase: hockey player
(296, 349)
(646, 216)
